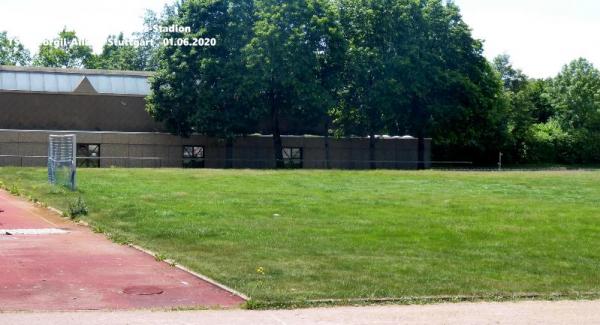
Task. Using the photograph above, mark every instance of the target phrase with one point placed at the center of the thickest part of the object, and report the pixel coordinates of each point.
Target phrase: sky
(33, 21)
(540, 35)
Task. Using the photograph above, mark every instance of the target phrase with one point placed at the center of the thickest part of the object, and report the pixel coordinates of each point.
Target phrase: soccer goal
(62, 160)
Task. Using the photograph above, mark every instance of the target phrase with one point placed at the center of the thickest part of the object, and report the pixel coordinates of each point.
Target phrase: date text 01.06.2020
(205, 41)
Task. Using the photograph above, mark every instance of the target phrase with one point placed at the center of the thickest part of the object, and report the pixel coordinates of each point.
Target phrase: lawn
(294, 236)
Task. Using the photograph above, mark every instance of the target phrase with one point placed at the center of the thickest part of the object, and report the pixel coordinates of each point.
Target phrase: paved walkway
(49, 264)
(547, 313)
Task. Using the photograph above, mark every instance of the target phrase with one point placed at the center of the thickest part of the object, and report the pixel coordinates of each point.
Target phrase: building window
(292, 157)
(193, 157)
(88, 155)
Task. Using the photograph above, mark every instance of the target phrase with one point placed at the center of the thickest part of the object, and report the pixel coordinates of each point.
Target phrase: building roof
(77, 81)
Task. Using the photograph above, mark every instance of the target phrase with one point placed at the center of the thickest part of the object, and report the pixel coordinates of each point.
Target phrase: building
(106, 110)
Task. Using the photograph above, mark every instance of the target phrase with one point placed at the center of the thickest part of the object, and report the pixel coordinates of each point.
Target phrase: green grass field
(293, 236)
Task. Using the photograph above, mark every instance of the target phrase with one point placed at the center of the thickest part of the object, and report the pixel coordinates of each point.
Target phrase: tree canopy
(412, 67)
(295, 48)
(65, 51)
(576, 95)
(117, 56)
(12, 52)
(201, 89)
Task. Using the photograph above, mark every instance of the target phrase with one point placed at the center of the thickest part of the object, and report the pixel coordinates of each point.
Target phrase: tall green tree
(377, 41)
(520, 108)
(148, 53)
(461, 93)
(512, 78)
(413, 67)
(117, 55)
(143, 56)
(65, 51)
(12, 52)
(575, 93)
(538, 92)
(202, 89)
(292, 57)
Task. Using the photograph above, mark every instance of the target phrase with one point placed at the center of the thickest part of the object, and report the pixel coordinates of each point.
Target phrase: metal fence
(157, 162)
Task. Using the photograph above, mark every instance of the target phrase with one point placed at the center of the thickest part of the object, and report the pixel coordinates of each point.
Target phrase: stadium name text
(130, 42)
(172, 29)
(66, 42)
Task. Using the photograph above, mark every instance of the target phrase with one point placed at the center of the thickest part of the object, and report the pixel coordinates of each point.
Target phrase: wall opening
(292, 157)
(88, 155)
(193, 157)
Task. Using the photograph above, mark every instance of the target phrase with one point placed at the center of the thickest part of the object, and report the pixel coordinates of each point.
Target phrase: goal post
(62, 160)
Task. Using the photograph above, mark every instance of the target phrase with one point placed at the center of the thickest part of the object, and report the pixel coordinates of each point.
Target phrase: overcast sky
(33, 21)
(540, 35)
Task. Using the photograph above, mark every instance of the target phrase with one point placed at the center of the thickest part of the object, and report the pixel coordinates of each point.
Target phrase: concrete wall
(94, 112)
(43, 111)
(131, 149)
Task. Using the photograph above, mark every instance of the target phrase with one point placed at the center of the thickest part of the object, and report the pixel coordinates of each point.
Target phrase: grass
(286, 237)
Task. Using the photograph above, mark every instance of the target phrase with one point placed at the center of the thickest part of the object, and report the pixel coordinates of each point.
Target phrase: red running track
(81, 270)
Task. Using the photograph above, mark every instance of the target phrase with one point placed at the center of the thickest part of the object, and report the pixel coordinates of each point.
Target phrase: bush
(14, 190)
(549, 143)
(78, 208)
(587, 145)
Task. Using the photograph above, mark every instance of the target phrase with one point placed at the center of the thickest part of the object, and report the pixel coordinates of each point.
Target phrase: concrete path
(50, 264)
(547, 313)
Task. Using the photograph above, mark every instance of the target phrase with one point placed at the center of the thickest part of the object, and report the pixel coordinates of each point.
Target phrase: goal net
(62, 160)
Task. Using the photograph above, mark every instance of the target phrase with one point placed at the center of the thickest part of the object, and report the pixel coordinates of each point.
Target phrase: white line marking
(46, 231)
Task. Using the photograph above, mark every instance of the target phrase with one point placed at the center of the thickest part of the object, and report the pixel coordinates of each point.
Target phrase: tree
(292, 58)
(461, 94)
(513, 79)
(118, 55)
(520, 107)
(376, 35)
(12, 52)
(538, 93)
(148, 53)
(65, 51)
(413, 67)
(566, 111)
(575, 93)
(202, 89)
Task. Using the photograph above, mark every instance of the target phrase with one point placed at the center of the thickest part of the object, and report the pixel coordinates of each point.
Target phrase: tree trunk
(277, 144)
(421, 139)
(229, 153)
(372, 140)
(421, 152)
(421, 120)
(327, 156)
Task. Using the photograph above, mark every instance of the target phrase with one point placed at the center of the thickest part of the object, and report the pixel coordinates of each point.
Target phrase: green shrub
(549, 143)
(14, 190)
(78, 208)
(587, 145)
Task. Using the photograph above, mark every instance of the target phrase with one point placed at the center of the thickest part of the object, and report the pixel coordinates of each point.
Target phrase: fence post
(500, 161)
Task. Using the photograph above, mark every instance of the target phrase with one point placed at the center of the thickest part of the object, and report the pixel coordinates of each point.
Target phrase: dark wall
(42, 111)
(122, 149)
(39, 111)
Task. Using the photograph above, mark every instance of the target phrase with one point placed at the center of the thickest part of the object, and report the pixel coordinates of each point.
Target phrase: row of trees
(554, 120)
(357, 67)
(366, 67)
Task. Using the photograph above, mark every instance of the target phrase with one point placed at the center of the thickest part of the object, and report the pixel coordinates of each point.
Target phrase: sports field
(285, 237)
